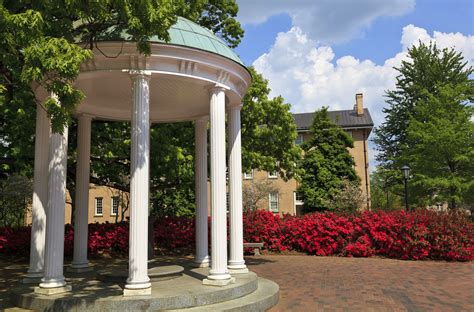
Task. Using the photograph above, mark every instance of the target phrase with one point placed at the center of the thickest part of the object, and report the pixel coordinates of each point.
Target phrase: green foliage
(442, 153)
(268, 131)
(15, 198)
(218, 16)
(429, 115)
(327, 163)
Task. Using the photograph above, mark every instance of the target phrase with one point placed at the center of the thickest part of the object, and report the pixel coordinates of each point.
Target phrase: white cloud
(327, 21)
(308, 76)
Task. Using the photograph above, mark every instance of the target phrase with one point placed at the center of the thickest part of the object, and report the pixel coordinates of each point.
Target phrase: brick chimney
(359, 106)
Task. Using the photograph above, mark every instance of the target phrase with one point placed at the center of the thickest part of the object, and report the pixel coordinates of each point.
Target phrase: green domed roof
(184, 33)
(190, 34)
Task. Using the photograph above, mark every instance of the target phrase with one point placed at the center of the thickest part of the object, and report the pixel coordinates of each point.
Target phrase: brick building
(358, 124)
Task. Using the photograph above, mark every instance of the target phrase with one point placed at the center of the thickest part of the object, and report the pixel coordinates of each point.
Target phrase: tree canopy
(429, 125)
(327, 163)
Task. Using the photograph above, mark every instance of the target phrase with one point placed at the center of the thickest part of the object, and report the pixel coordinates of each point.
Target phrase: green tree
(442, 146)
(427, 75)
(268, 131)
(327, 163)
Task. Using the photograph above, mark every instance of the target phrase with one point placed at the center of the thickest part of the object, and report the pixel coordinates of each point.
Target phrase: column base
(33, 278)
(73, 269)
(52, 291)
(242, 270)
(201, 264)
(219, 282)
(127, 292)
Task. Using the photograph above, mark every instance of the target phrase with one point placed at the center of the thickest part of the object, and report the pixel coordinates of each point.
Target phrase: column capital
(202, 119)
(216, 88)
(85, 116)
(139, 73)
(234, 107)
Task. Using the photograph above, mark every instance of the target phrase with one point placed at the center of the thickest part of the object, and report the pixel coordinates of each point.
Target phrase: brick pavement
(310, 283)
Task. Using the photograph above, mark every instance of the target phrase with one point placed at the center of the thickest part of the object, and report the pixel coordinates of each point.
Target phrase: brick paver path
(340, 284)
(359, 284)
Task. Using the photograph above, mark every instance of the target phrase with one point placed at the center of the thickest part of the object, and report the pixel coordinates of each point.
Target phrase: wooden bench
(256, 247)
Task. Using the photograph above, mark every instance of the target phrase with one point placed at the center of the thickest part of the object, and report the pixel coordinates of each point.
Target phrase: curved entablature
(180, 78)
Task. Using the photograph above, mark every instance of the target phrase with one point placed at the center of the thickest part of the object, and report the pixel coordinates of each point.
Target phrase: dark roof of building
(343, 118)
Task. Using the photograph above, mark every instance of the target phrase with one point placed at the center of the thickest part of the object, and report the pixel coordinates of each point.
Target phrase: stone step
(92, 295)
(262, 299)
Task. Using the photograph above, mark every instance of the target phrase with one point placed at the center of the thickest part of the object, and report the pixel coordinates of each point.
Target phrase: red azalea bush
(174, 232)
(416, 235)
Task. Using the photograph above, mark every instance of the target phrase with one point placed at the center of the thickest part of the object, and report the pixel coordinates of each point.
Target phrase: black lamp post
(406, 175)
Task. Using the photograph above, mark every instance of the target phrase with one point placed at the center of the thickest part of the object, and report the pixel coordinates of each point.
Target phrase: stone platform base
(186, 292)
(157, 273)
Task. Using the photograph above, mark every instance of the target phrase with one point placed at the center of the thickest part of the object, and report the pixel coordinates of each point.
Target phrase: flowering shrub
(417, 235)
(174, 232)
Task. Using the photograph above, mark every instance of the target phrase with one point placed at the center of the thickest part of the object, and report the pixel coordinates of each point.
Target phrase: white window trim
(95, 210)
(112, 205)
(270, 176)
(297, 202)
(248, 175)
(277, 202)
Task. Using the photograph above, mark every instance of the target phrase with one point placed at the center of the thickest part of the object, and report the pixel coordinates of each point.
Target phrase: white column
(80, 262)
(138, 282)
(236, 261)
(218, 274)
(53, 280)
(40, 197)
(202, 253)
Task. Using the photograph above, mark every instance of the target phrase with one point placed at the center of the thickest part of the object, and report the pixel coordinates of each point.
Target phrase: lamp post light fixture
(406, 175)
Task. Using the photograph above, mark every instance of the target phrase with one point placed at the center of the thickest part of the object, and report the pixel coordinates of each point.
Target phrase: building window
(273, 174)
(248, 175)
(298, 198)
(299, 139)
(115, 206)
(99, 207)
(273, 202)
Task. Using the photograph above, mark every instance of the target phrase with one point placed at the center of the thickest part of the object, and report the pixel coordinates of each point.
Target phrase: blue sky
(433, 15)
(320, 53)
